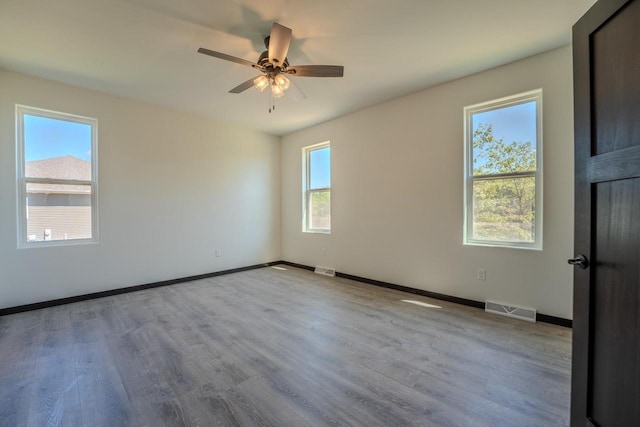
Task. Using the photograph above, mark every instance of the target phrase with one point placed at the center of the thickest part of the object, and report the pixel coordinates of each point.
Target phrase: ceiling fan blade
(316, 70)
(243, 86)
(279, 44)
(229, 58)
(295, 92)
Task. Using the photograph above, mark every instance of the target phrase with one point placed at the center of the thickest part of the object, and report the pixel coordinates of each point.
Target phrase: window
(317, 188)
(503, 172)
(57, 178)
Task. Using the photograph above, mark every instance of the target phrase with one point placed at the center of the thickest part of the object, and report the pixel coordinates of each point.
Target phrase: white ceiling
(146, 49)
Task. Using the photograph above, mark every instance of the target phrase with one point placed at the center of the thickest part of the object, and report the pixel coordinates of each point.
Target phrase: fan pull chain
(272, 103)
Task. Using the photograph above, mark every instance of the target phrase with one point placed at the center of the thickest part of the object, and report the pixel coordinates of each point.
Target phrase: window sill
(57, 243)
(528, 247)
(317, 231)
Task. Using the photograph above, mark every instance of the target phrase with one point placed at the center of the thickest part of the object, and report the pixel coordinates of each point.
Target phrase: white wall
(173, 187)
(397, 178)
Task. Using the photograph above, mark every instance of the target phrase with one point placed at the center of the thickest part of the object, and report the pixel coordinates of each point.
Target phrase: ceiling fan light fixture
(261, 83)
(276, 90)
(282, 81)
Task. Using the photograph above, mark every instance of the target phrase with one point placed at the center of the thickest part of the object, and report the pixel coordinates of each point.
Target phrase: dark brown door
(606, 322)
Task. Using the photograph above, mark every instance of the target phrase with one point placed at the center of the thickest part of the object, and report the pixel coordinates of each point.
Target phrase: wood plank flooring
(272, 347)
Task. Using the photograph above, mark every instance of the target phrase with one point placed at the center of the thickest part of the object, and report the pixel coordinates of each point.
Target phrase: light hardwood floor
(273, 347)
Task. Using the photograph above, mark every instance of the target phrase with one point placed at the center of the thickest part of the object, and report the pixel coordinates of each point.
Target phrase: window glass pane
(504, 140)
(58, 212)
(320, 215)
(320, 165)
(57, 149)
(504, 209)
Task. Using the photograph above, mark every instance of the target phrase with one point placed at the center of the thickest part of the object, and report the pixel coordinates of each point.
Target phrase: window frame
(307, 191)
(469, 178)
(22, 180)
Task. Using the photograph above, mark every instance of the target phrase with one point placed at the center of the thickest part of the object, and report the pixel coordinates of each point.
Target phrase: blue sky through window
(320, 162)
(47, 138)
(514, 123)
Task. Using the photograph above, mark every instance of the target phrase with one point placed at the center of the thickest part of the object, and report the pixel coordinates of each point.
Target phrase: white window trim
(534, 95)
(307, 192)
(21, 180)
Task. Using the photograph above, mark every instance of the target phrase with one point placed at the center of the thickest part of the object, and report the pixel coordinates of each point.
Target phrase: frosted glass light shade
(261, 82)
(276, 90)
(282, 81)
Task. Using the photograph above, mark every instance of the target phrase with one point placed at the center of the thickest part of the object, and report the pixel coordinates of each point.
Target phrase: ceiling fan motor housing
(263, 61)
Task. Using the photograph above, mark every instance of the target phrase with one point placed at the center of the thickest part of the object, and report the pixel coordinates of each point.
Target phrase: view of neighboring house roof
(65, 167)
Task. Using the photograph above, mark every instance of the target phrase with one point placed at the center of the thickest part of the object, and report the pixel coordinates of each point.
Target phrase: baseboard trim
(125, 290)
(545, 318)
(560, 321)
(435, 295)
(301, 266)
(567, 323)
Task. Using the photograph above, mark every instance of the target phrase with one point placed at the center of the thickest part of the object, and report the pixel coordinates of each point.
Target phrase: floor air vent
(527, 314)
(326, 271)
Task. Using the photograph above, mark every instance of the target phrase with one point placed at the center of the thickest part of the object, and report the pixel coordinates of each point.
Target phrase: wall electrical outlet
(482, 274)
(218, 253)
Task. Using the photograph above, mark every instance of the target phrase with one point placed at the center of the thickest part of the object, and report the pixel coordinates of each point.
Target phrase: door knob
(580, 261)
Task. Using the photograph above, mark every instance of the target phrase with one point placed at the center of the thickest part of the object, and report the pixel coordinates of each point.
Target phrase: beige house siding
(65, 222)
(58, 211)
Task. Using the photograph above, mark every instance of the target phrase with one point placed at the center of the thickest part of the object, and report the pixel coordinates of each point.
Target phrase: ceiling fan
(274, 65)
